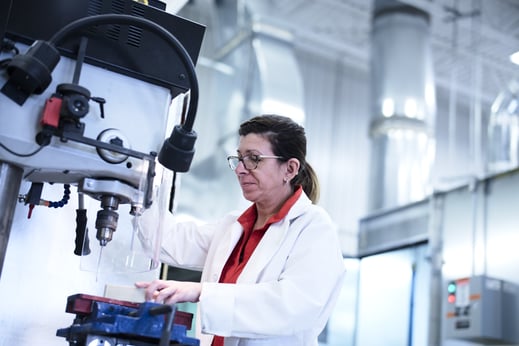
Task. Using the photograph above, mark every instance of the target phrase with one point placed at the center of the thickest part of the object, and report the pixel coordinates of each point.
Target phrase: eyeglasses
(250, 161)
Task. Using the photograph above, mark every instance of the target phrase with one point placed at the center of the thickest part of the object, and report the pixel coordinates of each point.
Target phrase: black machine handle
(169, 311)
(82, 242)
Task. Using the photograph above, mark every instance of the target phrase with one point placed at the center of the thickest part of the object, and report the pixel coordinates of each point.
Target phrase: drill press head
(74, 112)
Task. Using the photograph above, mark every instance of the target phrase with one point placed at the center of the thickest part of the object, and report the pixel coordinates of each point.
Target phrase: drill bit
(99, 262)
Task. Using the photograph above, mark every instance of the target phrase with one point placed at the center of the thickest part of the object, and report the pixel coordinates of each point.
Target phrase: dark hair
(288, 140)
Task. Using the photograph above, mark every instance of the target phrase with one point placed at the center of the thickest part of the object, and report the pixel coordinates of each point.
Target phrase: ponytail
(307, 178)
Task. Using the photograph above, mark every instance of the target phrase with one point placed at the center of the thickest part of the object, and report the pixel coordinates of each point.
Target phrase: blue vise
(109, 322)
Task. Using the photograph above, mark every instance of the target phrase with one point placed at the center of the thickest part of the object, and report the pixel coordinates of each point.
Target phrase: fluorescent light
(283, 108)
(410, 108)
(515, 57)
(388, 107)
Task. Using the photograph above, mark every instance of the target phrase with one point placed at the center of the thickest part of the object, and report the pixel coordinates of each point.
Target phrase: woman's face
(264, 184)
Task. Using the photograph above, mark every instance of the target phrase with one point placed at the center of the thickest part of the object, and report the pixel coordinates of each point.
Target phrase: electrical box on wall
(482, 310)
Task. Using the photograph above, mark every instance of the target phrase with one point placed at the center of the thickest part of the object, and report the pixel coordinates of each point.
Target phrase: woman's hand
(170, 291)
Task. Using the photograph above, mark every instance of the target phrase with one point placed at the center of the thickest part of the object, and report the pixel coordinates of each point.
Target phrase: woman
(272, 274)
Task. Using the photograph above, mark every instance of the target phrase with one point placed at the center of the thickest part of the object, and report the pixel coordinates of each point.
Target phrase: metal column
(10, 180)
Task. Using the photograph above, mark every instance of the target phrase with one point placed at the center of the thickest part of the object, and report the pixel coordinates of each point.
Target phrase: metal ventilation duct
(263, 77)
(281, 85)
(503, 131)
(403, 105)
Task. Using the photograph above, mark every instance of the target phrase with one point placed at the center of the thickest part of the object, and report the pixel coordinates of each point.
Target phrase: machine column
(10, 181)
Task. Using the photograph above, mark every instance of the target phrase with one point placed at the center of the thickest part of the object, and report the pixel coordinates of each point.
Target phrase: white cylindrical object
(403, 108)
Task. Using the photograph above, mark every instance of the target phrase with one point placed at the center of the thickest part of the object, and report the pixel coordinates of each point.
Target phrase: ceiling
(471, 39)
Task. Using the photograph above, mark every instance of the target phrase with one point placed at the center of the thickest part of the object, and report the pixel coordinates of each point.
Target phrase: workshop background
(412, 115)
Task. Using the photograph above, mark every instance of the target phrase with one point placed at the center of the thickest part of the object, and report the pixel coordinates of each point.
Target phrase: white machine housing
(126, 62)
(135, 111)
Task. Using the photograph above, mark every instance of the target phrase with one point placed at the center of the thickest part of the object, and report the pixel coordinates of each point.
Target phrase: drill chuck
(106, 224)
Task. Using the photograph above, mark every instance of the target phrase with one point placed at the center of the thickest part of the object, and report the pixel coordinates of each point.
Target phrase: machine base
(109, 322)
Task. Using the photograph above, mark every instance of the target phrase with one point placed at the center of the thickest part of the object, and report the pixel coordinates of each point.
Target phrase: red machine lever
(31, 207)
(51, 112)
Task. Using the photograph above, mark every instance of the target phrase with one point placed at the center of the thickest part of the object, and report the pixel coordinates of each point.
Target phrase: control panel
(482, 309)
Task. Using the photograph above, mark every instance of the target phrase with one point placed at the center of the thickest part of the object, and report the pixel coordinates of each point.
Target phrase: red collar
(249, 216)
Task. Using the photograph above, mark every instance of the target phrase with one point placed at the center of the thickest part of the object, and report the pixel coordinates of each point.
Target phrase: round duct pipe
(403, 107)
(280, 81)
(262, 77)
(503, 131)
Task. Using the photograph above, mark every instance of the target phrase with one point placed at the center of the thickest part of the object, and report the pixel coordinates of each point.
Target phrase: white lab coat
(285, 293)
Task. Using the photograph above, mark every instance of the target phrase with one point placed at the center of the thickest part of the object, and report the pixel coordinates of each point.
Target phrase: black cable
(80, 59)
(123, 19)
(8, 45)
(18, 154)
(5, 62)
(172, 192)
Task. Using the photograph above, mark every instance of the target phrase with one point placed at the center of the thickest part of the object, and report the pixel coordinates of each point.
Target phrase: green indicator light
(451, 288)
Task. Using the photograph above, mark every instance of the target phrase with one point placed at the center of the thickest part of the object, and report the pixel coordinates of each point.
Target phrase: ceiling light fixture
(514, 57)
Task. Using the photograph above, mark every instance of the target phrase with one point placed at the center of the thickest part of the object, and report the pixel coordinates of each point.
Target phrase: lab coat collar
(271, 241)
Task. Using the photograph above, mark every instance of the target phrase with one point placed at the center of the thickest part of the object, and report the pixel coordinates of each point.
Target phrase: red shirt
(247, 244)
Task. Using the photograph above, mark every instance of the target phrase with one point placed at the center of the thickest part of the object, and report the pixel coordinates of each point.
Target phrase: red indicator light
(451, 298)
